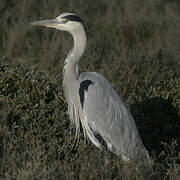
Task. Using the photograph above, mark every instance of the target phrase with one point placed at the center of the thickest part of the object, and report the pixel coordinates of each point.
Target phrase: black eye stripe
(73, 18)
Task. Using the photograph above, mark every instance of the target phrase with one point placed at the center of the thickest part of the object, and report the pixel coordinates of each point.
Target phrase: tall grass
(135, 44)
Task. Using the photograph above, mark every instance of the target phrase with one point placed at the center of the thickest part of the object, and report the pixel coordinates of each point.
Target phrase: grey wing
(107, 114)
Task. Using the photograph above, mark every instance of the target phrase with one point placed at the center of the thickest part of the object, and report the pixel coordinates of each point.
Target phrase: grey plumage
(93, 101)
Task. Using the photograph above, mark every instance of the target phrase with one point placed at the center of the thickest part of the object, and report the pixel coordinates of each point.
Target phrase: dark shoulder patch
(84, 85)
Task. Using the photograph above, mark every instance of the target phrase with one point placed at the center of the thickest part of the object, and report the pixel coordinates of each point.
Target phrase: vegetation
(135, 44)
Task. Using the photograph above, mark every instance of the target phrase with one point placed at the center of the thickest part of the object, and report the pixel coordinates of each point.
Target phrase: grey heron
(92, 100)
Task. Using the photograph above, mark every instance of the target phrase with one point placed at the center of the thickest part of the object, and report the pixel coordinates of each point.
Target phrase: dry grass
(134, 44)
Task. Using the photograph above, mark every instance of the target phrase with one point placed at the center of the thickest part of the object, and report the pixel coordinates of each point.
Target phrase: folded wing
(107, 115)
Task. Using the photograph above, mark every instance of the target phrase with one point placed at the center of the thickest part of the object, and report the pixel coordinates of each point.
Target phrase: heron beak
(47, 23)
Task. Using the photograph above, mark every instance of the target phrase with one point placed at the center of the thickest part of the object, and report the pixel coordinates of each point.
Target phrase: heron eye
(64, 21)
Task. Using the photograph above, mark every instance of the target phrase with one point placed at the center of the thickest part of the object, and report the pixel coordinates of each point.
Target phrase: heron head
(66, 22)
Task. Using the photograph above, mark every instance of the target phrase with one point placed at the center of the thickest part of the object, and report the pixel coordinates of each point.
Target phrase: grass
(134, 44)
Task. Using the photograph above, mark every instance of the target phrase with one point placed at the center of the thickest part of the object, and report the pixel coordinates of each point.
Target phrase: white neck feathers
(70, 76)
(70, 70)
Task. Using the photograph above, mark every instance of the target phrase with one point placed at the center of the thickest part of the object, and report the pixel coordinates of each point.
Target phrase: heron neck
(79, 38)
(70, 70)
(71, 62)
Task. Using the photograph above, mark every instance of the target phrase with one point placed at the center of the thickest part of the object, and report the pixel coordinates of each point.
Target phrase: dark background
(135, 44)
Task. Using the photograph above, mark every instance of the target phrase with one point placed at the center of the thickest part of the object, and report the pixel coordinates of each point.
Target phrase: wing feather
(107, 114)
